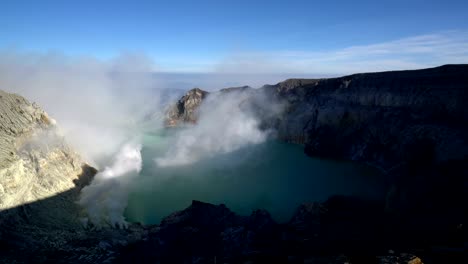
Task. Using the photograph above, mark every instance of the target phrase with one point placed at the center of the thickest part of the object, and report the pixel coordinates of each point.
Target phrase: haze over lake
(273, 175)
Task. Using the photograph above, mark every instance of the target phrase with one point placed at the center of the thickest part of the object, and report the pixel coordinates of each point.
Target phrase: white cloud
(97, 103)
(448, 47)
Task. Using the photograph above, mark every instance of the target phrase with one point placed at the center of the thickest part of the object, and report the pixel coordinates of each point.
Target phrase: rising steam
(223, 126)
(97, 103)
(100, 104)
(105, 199)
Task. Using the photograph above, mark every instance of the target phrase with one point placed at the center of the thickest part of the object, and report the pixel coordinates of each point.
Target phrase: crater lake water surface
(275, 176)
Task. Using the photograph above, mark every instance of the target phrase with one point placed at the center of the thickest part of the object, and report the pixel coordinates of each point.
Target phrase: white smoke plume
(97, 103)
(223, 126)
(100, 104)
(105, 199)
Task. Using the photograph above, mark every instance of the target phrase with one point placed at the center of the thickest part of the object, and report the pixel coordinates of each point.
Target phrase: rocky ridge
(411, 125)
(317, 233)
(41, 177)
(185, 110)
(35, 161)
(368, 117)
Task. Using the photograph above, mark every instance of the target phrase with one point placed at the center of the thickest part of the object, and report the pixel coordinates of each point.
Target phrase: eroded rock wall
(35, 161)
(376, 118)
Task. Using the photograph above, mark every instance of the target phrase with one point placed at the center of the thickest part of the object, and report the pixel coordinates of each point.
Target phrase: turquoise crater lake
(274, 175)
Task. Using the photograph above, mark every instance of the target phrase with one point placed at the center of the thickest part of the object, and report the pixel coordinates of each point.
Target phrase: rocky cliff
(41, 177)
(370, 117)
(411, 125)
(185, 110)
(35, 161)
(390, 120)
(376, 117)
(340, 230)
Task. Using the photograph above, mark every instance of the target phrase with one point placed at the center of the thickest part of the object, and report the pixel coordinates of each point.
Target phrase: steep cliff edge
(377, 118)
(35, 161)
(412, 125)
(185, 110)
(41, 177)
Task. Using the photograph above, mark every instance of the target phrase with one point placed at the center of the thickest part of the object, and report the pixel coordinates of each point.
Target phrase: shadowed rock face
(371, 117)
(48, 231)
(339, 230)
(412, 125)
(408, 124)
(376, 117)
(342, 229)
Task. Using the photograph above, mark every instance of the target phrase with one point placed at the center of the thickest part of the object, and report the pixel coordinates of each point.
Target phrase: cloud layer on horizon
(422, 51)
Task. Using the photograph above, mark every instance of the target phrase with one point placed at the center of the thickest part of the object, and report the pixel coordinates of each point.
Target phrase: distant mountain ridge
(348, 106)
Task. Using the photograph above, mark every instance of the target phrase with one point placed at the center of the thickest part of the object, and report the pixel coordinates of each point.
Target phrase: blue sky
(327, 37)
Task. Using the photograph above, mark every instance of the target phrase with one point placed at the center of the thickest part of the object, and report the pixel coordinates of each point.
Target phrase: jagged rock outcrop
(395, 121)
(411, 125)
(317, 233)
(376, 117)
(185, 110)
(41, 177)
(203, 232)
(371, 117)
(35, 161)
